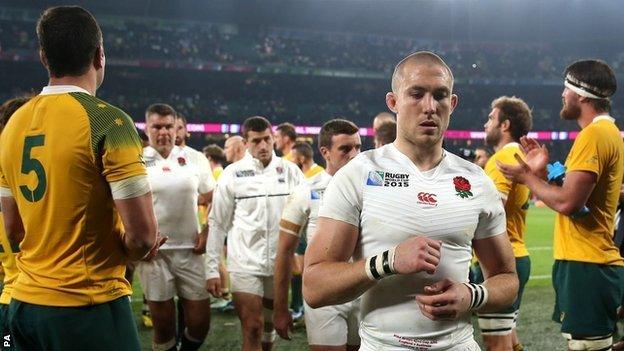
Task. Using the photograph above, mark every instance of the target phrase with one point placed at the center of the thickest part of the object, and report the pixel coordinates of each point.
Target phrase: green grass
(535, 329)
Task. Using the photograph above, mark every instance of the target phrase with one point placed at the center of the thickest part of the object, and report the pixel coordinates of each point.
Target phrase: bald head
(427, 58)
(234, 148)
(381, 118)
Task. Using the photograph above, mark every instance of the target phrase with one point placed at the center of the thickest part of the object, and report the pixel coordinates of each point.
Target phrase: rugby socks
(380, 266)
(167, 346)
(518, 347)
(188, 343)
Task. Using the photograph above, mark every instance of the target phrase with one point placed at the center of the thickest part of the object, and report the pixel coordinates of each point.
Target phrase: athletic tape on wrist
(380, 266)
(478, 295)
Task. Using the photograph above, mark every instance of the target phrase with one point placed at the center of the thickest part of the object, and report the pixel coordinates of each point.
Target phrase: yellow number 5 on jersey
(30, 164)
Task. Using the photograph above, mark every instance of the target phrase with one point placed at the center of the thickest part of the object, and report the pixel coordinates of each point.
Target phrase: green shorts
(523, 269)
(107, 326)
(6, 344)
(587, 296)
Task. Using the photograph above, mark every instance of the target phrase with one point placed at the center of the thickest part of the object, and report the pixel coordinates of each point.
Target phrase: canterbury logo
(427, 198)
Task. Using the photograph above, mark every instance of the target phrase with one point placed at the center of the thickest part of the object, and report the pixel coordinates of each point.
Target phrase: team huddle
(405, 242)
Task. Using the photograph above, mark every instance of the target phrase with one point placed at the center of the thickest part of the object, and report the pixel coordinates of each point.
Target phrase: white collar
(62, 89)
(603, 117)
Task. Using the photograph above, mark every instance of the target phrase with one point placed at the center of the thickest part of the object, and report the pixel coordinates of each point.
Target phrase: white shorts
(372, 346)
(252, 284)
(173, 272)
(333, 325)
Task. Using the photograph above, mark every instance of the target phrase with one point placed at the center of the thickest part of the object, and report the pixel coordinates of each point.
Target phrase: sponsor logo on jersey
(166, 169)
(427, 199)
(316, 194)
(387, 179)
(150, 163)
(245, 173)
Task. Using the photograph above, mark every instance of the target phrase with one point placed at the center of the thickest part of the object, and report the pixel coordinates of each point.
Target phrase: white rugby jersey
(247, 205)
(301, 210)
(176, 183)
(385, 195)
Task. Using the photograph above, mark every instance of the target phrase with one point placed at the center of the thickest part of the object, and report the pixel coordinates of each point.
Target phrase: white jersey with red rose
(384, 194)
(176, 183)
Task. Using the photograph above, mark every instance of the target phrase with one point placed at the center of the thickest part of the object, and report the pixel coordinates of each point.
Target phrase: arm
(12, 219)
(499, 270)
(448, 299)
(220, 220)
(328, 277)
(202, 236)
(140, 228)
(566, 199)
(281, 281)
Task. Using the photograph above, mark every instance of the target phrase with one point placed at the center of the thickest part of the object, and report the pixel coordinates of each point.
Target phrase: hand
(160, 240)
(444, 300)
(213, 286)
(417, 254)
(536, 156)
(283, 323)
(200, 243)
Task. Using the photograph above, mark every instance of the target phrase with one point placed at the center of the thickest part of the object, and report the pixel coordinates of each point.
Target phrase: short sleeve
(342, 199)
(296, 211)
(121, 150)
(492, 220)
(584, 153)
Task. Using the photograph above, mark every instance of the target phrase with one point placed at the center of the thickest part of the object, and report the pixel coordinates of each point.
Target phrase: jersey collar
(62, 89)
(603, 117)
(512, 144)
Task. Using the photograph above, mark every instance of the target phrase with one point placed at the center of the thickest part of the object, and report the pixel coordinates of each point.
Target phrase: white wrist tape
(478, 295)
(380, 266)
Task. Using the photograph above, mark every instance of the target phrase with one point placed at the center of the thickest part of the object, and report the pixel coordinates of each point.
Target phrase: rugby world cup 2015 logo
(462, 187)
(375, 178)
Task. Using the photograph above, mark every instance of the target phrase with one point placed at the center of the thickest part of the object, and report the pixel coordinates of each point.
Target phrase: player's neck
(83, 82)
(505, 139)
(425, 157)
(286, 150)
(306, 166)
(587, 117)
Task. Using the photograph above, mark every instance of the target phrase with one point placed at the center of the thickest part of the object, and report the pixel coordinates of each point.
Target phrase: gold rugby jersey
(59, 152)
(597, 149)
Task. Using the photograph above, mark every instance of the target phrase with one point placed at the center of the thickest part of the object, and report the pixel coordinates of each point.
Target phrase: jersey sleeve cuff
(5, 192)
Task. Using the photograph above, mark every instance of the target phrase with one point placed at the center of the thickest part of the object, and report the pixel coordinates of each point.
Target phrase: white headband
(581, 88)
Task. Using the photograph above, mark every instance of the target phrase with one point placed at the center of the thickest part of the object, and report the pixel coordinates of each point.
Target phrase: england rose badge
(462, 186)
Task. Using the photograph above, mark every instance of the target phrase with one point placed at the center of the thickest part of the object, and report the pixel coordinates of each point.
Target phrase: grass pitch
(535, 329)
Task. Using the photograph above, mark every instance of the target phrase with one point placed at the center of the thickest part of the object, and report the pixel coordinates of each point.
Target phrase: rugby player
(248, 204)
(588, 273)
(409, 214)
(331, 327)
(79, 176)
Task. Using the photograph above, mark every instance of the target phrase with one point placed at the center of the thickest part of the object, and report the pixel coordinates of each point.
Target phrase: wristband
(380, 266)
(478, 295)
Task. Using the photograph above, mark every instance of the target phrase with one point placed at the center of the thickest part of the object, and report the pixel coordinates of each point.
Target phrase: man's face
(231, 148)
(423, 103)
(298, 159)
(280, 140)
(344, 148)
(180, 132)
(492, 127)
(481, 158)
(160, 132)
(260, 145)
(571, 109)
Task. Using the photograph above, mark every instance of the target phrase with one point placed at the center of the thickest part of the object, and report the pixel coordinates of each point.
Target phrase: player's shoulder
(193, 155)
(457, 164)
(100, 111)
